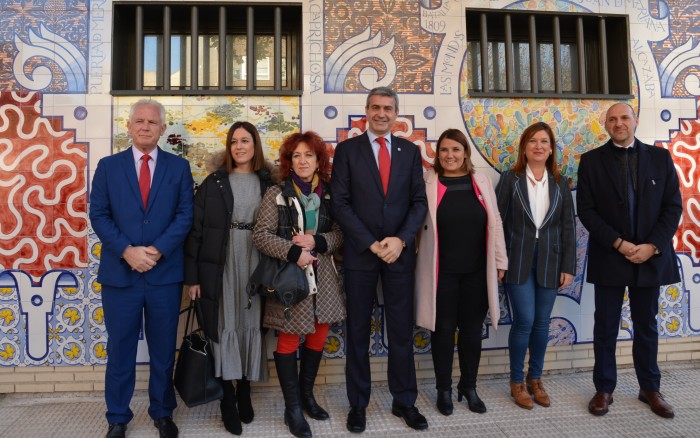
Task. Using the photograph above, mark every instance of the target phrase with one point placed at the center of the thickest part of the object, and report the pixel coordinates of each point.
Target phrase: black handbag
(279, 279)
(194, 373)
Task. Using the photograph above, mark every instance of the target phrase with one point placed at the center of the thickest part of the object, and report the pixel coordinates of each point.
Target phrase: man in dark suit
(629, 201)
(379, 201)
(141, 209)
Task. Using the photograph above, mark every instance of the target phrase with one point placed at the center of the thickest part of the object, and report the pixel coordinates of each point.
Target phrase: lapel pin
(398, 149)
(653, 182)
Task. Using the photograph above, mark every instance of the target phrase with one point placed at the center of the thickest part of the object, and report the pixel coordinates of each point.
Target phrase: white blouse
(538, 193)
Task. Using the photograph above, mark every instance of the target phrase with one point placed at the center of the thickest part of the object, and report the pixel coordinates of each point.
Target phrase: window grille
(166, 48)
(543, 54)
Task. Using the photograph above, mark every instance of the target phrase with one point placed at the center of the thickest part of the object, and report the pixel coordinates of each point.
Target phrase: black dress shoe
(410, 415)
(357, 420)
(166, 427)
(116, 430)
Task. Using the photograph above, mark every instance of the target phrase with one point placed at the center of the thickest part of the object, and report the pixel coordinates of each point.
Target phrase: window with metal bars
(206, 48)
(512, 53)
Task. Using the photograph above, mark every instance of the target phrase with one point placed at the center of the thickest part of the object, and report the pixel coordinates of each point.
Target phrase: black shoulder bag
(279, 279)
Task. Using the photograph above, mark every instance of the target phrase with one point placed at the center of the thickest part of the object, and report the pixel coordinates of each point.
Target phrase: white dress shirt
(151, 163)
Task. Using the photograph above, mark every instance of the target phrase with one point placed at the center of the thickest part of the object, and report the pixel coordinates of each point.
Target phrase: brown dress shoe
(520, 395)
(535, 387)
(659, 406)
(599, 403)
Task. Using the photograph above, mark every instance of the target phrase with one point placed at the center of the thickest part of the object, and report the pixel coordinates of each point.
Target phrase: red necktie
(384, 163)
(145, 179)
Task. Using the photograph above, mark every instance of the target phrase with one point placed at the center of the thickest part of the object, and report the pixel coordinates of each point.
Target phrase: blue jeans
(531, 305)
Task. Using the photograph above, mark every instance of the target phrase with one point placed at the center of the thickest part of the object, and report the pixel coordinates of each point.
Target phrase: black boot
(473, 401)
(245, 406)
(308, 368)
(444, 401)
(229, 412)
(286, 365)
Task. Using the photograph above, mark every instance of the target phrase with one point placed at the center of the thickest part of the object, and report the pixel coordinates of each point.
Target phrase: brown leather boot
(535, 387)
(519, 393)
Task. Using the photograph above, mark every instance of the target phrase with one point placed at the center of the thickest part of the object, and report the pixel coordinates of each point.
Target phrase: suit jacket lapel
(521, 190)
(368, 155)
(553, 188)
(642, 167)
(610, 166)
(132, 179)
(396, 158)
(431, 192)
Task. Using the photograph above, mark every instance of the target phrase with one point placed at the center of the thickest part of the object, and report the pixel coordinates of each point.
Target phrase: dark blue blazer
(119, 218)
(557, 236)
(365, 215)
(602, 210)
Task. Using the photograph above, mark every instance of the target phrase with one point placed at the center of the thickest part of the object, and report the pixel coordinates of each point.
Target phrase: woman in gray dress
(295, 225)
(220, 257)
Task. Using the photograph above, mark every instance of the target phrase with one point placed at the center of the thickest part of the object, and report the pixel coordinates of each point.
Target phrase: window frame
(595, 66)
(195, 20)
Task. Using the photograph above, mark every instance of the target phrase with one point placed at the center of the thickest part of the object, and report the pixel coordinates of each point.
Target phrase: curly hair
(315, 143)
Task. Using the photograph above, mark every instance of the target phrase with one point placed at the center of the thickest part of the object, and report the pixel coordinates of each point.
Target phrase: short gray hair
(384, 91)
(143, 102)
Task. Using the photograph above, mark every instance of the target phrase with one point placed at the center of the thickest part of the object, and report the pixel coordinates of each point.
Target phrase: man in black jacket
(629, 200)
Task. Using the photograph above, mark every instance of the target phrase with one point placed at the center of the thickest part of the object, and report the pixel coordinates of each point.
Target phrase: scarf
(309, 196)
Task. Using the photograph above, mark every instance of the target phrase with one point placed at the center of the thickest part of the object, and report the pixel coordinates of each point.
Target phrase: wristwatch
(656, 250)
(403, 243)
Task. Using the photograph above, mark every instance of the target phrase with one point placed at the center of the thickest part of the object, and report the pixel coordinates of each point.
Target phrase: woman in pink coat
(461, 259)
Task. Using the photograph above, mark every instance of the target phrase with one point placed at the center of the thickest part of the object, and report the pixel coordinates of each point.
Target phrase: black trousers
(361, 294)
(644, 306)
(462, 302)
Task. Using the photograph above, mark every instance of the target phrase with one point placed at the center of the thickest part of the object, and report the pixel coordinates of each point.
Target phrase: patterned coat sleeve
(265, 235)
(334, 238)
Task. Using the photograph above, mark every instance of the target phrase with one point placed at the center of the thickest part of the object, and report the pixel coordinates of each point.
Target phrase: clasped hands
(141, 258)
(636, 253)
(389, 249)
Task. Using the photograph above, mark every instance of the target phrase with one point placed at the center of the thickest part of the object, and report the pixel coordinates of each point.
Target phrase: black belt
(242, 226)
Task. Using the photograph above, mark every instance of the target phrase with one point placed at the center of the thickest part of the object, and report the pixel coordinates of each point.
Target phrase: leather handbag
(279, 279)
(194, 378)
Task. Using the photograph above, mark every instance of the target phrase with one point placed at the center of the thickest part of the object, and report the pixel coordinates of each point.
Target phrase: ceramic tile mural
(197, 126)
(676, 54)
(44, 45)
(57, 119)
(378, 43)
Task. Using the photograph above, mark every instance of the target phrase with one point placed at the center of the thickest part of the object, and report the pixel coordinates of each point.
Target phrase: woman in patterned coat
(309, 242)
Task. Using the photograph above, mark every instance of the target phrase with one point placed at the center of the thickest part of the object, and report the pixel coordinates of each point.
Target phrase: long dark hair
(258, 157)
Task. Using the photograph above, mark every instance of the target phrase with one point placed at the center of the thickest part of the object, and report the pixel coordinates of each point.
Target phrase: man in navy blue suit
(141, 209)
(629, 201)
(379, 201)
